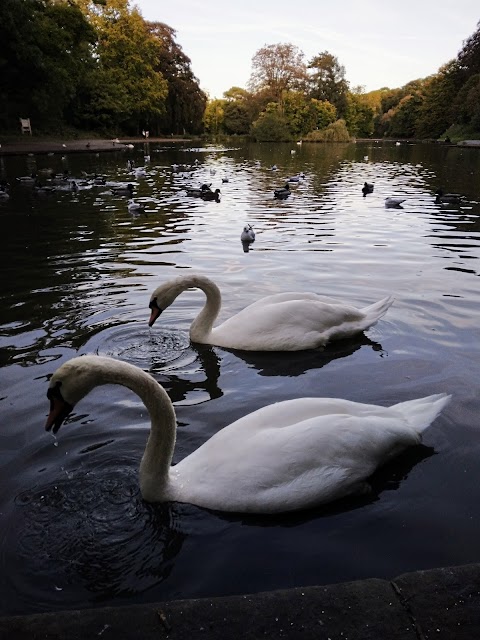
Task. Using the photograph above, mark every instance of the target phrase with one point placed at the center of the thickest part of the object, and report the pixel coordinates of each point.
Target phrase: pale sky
(379, 42)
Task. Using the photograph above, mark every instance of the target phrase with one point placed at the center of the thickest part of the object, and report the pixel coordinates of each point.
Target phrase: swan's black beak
(155, 311)
(59, 409)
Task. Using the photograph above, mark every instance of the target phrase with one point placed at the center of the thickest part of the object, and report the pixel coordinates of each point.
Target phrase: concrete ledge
(36, 146)
(439, 603)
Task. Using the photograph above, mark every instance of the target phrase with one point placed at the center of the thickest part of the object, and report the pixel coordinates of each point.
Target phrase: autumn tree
(278, 68)
(214, 116)
(327, 81)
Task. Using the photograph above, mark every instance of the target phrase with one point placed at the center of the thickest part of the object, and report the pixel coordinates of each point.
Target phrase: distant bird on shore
(367, 188)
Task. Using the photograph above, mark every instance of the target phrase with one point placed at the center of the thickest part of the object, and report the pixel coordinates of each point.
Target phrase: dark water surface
(77, 272)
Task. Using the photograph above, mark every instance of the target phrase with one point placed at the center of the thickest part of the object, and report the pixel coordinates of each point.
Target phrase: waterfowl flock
(291, 455)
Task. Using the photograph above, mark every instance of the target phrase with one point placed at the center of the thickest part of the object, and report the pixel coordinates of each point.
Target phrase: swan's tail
(376, 310)
(421, 412)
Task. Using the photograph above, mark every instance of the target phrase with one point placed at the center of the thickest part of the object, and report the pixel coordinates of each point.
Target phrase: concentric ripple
(163, 350)
(89, 536)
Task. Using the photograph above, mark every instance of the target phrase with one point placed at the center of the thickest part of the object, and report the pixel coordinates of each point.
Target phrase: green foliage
(45, 54)
(435, 113)
(185, 103)
(93, 64)
(335, 132)
(271, 126)
(468, 102)
(236, 118)
(327, 81)
(359, 117)
(214, 116)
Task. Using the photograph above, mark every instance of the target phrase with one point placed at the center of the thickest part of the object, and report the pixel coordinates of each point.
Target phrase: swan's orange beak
(59, 410)
(155, 311)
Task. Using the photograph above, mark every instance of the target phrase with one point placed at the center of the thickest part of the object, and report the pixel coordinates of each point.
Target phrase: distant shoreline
(31, 145)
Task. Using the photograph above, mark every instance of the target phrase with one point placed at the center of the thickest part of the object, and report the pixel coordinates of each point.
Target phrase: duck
(295, 179)
(367, 188)
(59, 178)
(446, 197)
(4, 186)
(135, 207)
(290, 321)
(40, 188)
(248, 234)
(211, 195)
(283, 192)
(287, 456)
(140, 172)
(31, 179)
(394, 202)
(196, 192)
(123, 190)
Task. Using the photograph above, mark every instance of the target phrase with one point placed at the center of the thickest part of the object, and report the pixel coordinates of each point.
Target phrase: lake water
(77, 273)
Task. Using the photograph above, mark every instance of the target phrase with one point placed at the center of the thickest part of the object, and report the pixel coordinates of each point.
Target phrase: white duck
(287, 456)
(290, 321)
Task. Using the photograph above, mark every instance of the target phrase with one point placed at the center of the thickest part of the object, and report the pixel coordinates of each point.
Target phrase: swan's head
(163, 296)
(68, 385)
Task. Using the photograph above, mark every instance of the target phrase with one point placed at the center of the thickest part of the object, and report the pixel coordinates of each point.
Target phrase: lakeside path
(439, 603)
(32, 145)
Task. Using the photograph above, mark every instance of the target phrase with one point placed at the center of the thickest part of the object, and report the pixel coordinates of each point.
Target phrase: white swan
(290, 321)
(286, 456)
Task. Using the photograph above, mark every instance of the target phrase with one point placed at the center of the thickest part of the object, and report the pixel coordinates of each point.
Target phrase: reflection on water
(296, 363)
(77, 272)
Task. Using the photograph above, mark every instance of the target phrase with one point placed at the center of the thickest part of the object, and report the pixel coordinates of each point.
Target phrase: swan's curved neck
(202, 325)
(157, 458)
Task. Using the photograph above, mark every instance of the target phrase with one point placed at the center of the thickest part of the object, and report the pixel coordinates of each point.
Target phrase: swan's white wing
(281, 466)
(287, 325)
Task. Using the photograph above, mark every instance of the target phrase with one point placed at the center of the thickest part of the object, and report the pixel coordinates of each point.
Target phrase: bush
(335, 132)
(271, 127)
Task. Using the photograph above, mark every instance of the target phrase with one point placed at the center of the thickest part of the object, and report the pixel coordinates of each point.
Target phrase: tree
(125, 90)
(327, 81)
(305, 114)
(436, 113)
(185, 103)
(46, 51)
(359, 117)
(271, 126)
(214, 116)
(468, 103)
(277, 67)
(468, 59)
(236, 117)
